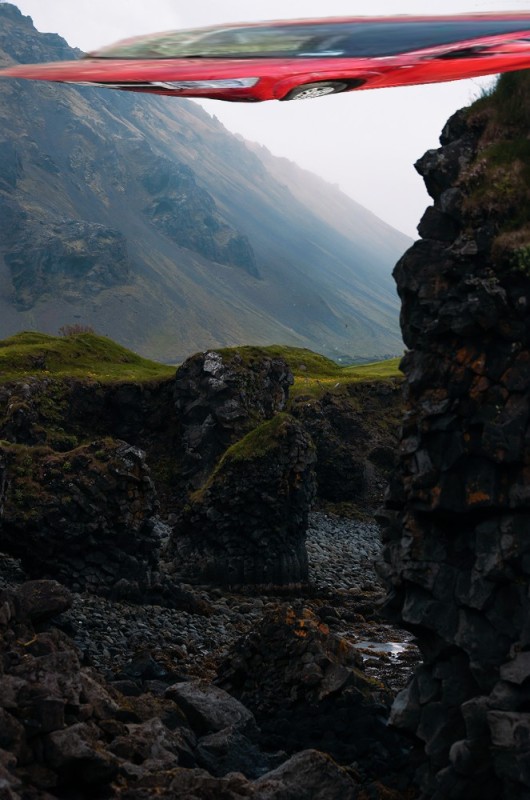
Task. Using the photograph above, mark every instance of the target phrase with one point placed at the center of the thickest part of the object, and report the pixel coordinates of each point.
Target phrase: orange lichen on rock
(477, 497)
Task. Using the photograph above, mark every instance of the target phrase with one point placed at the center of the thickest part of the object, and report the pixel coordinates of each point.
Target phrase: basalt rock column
(457, 533)
(247, 524)
(220, 397)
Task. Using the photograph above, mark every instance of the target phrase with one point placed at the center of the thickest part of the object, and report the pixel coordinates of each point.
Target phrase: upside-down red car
(301, 59)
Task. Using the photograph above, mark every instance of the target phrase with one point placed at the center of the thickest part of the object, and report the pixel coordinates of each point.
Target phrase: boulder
(219, 397)
(42, 600)
(229, 750)
(307, 689)
(210, 709)
(308, 775)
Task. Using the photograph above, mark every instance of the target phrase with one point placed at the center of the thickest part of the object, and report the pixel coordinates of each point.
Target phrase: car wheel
(307, 91)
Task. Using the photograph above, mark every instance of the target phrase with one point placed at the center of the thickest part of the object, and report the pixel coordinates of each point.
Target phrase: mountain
(144, 218)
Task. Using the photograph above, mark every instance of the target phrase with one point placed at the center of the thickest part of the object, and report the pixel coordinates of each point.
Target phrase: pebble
(342, 553)
(341, 556)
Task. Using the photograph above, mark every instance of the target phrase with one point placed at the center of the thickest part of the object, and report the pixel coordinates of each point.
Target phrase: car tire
(309, 91)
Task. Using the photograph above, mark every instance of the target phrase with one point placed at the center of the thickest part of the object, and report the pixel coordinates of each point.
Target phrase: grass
(88, 356)
(254, 445)
(315, 374)
(337, 382)
(85, 356)
(499, 179)
(511, 99)
(299, 358)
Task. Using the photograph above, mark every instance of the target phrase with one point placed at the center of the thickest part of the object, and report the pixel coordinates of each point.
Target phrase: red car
(299, 59)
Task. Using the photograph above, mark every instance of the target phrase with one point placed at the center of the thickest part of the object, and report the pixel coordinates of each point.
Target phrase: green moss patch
(498, 181)
(258, 442)
(84, 355)
(299, 359)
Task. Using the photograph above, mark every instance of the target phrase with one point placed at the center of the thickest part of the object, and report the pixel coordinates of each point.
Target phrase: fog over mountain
(146, 219)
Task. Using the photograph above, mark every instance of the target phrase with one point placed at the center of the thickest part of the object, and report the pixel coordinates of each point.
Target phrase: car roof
(508, 15)
(397, 18)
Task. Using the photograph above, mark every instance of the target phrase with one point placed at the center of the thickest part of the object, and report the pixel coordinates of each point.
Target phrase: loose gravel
(111, 634)
(342, 553)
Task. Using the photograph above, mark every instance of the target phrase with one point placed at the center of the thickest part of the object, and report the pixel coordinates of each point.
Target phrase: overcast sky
(365, 142)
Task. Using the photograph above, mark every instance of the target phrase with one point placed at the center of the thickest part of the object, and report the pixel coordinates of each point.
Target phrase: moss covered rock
(247, 524)
(220, 397)
(86, 518)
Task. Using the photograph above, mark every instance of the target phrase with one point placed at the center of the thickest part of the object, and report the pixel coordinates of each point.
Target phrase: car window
(365, 39)
(388, 39)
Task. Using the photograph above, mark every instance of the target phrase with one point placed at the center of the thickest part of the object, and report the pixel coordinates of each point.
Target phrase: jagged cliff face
(457, 520)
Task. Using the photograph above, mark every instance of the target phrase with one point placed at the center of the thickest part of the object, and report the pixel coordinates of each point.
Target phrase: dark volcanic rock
(210, 709)
(247, 524)
(62, 412)
(65, 734)
(42, 600)
(355, 436)
(48, 720)
(86, 517)
(457, 554)
(308, 775)
(219, 398)
(307, 689)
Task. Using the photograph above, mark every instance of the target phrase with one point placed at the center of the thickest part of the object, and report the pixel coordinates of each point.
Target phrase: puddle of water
(391, 648)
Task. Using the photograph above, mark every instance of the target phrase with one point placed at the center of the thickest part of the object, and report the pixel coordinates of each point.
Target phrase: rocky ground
(249, 698)
(126, 641)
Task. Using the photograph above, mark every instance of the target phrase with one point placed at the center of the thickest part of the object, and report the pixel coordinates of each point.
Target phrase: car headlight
(224, 83)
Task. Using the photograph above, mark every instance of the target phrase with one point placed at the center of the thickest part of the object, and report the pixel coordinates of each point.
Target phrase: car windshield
(356, 39)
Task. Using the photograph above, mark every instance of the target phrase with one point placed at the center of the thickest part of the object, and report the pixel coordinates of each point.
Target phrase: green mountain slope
(144, 218)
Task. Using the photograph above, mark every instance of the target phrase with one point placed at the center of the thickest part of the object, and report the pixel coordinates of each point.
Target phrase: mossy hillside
(315, 374)
(92, 357)
(84, 356)
(498, 180)
(54, 390)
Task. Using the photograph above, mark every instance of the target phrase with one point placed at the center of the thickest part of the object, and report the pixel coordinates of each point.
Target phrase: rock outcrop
(308, 689)
(86, 518)
(254, 506)
(219, 397)
(355, 437)
(188, 214)
(61, 413)
(457, 547)
(247, 524)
